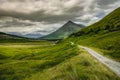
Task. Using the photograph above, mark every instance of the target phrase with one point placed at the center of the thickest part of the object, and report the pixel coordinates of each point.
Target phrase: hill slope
(104, 35)
(64, 31)
(4, 37)
(108, 24)
(8, 36)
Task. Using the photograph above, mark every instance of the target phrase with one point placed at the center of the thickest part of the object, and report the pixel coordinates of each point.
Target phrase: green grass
(10, 49)
(80, 67)
(53, 62)
(17, 63)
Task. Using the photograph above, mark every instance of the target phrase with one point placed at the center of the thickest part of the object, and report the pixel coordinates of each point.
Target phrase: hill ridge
(109, 23)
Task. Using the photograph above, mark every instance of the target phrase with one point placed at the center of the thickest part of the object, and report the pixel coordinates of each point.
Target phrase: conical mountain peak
(64, 31)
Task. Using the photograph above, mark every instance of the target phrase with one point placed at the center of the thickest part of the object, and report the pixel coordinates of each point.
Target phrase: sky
(36, 18)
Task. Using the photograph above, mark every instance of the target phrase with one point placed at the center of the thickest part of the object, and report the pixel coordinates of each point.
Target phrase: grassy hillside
(8, 36)
(104, 35)
(108, 24)
(10, 39)
(64, 31)
(4, 37)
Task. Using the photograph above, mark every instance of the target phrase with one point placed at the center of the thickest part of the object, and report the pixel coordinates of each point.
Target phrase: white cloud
(85, 17)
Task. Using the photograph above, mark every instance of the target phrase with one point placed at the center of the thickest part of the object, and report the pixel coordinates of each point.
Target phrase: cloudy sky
(35, 18)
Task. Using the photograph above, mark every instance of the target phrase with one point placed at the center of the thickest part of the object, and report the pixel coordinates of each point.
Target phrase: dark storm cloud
(15, 24)
(106, 2)
(60, 10)
(69, 14)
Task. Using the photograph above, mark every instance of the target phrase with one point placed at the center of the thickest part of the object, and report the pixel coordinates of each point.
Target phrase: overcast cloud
(45, 16)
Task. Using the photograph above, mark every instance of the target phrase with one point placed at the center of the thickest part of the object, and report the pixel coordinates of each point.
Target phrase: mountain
(8, 37)
(29, 35)
(104, 35)
(64, 31)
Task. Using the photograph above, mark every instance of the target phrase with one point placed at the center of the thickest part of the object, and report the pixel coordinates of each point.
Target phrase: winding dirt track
(113, 65)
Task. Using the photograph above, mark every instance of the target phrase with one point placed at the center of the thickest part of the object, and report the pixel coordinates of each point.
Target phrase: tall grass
(17, 63)
(80, 67)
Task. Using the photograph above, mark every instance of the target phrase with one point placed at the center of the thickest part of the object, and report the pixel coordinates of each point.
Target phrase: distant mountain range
(30, 35)
(63, 32)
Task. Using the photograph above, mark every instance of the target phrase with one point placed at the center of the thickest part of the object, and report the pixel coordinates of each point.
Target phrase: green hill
(108, 24)
(4, 37)
(8, 36)
(64, 31)
(104, 35)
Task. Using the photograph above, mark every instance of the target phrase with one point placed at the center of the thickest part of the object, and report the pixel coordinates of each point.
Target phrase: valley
(57, 56)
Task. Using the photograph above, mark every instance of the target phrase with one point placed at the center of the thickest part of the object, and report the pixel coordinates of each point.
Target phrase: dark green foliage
(2, 57)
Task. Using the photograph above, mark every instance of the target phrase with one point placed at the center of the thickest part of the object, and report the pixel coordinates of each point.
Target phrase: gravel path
(113, 65)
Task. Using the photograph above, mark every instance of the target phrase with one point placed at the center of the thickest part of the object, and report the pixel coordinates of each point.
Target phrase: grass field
(21, 61)
(32, 61)
(80, 67)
